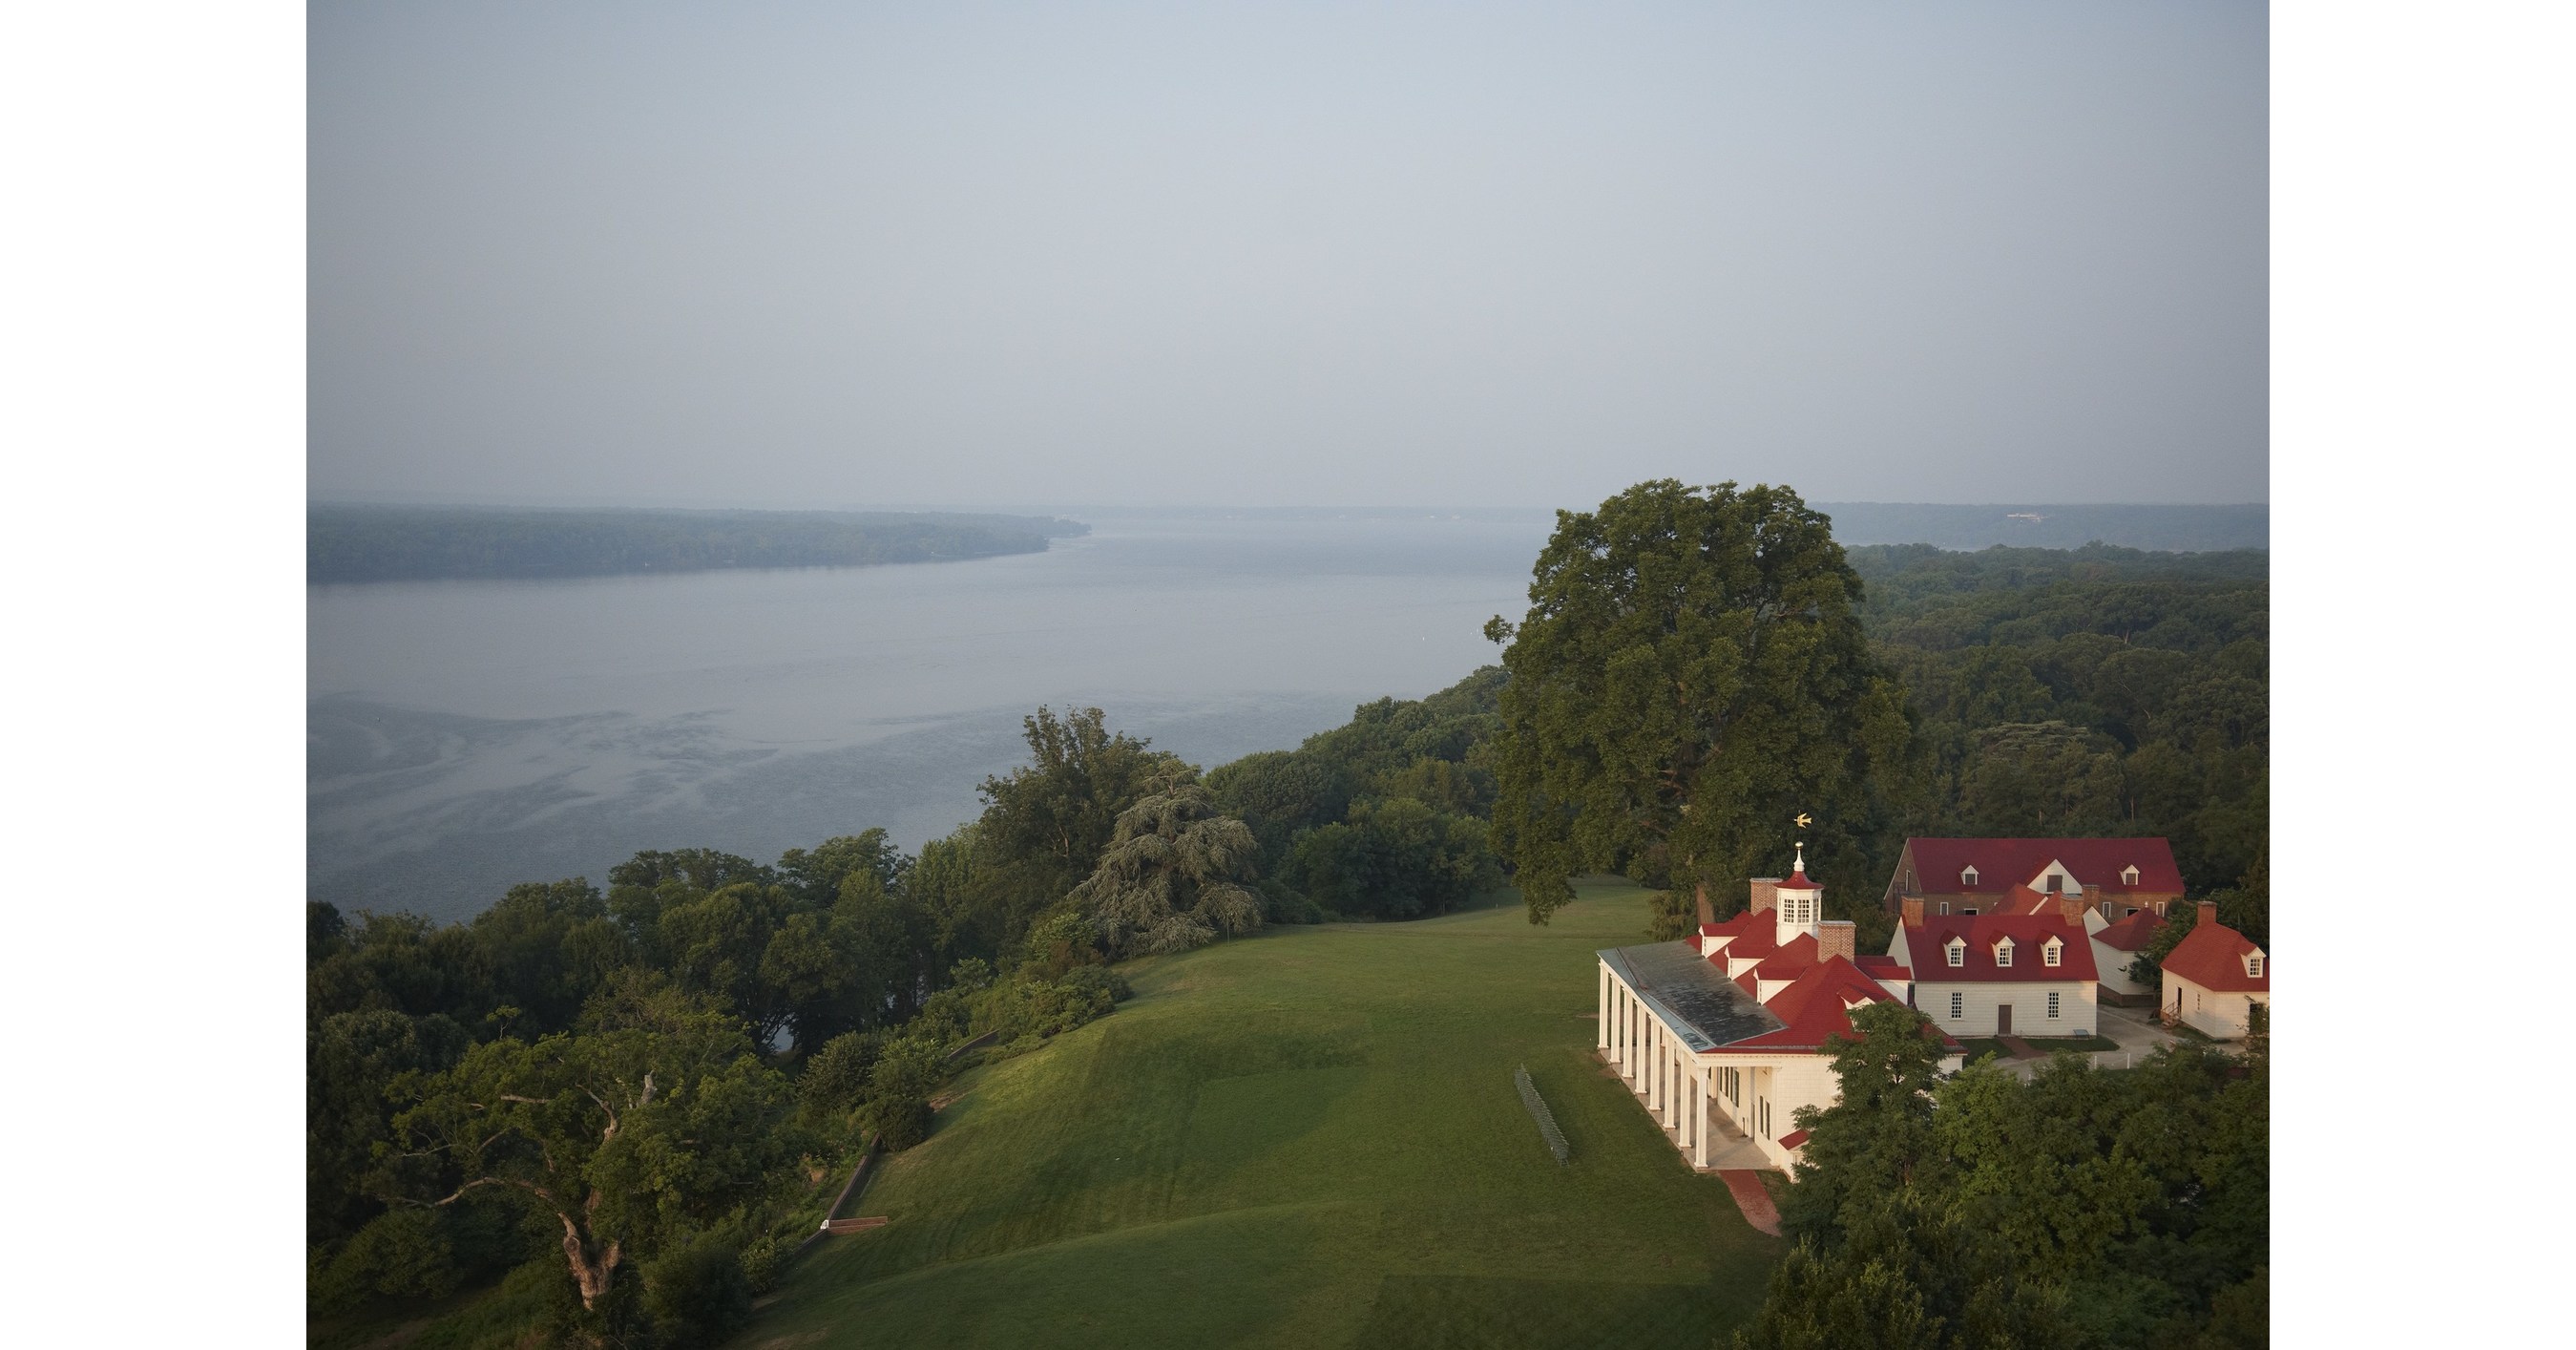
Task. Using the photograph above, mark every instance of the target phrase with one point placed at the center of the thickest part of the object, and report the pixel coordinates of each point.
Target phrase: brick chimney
(2208, 911)
(1766, 893)
(2071, 909)
(1911, 911)
(1837, 937)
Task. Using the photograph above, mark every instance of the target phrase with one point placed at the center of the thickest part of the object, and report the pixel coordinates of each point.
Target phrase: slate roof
(2005, 863)
(1697, 994)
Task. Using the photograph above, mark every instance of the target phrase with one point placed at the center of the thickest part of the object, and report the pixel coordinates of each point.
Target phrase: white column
(1634, 1063)
(1601, 1011)
(1699, 1121)
(1663, 1072)
(1618, 1040)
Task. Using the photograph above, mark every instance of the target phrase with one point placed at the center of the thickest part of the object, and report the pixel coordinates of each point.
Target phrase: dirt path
(1745, 1184)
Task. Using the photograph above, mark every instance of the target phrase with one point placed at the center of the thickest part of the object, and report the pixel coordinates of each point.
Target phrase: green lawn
(1308, 1138)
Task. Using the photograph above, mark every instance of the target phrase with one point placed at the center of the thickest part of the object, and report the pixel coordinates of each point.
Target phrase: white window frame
(1968, 875)
(1958, 1005)
(1958, 952)
(1945, 907)
(2051, 952)
(2052, 1007)
(2254, 967)
(2003, 954)
(2129, 875)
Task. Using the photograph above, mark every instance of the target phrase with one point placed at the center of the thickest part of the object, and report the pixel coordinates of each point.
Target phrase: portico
(1724, 1036)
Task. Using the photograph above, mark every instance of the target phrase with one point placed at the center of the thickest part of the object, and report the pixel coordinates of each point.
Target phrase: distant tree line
(2092, 692)
(391, 543)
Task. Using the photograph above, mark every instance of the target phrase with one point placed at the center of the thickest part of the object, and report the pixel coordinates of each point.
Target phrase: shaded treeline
(397, 543)
(2092, 692)
(2083, 1209)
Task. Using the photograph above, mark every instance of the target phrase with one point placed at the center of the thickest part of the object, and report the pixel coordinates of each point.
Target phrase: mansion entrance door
(2003, 1019)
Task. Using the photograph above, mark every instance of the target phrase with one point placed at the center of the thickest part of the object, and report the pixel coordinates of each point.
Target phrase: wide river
(464, 736)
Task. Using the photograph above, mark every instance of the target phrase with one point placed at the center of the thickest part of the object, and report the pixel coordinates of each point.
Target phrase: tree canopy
(1690, 676)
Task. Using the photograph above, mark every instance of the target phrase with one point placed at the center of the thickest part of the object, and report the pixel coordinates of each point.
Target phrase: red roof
(2213, 957)
(1793, 1138)
(1931, 962)
(2005, 863)
(1814, 1009)
(1798, 882)
(1790, 961)
(2133, 933)
(1883, 968)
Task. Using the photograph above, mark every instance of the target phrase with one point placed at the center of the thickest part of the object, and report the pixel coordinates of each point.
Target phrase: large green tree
(1176, 876)
(629, 1138)
(1690, 676)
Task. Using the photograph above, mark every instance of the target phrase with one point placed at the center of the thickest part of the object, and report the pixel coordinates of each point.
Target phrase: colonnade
(1656, 1065)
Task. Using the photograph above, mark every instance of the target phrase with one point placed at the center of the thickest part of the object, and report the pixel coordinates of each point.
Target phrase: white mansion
(1725, 1035)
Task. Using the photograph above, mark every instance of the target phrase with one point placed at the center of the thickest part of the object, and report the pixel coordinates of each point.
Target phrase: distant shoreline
(359, 544)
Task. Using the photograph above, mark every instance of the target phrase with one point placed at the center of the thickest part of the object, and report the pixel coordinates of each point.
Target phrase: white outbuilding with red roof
(2215, 977)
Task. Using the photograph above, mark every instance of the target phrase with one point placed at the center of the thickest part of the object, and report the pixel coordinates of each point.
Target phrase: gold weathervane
(1801, 821)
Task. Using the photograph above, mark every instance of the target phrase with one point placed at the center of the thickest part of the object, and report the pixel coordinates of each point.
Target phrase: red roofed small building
(2113, 877)
(2214, 978)
(1725, 1034)
(2116, 947)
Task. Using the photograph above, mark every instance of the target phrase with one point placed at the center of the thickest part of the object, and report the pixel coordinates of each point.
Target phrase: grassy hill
(1309, 1138)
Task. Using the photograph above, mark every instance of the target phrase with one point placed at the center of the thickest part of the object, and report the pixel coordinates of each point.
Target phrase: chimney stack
(1911, 909)
(1837, 937)
(2071, 909)
(2208, 911)
(1766, 893)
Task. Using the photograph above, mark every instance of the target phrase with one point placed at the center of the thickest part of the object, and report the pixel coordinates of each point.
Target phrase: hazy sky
(778, 254)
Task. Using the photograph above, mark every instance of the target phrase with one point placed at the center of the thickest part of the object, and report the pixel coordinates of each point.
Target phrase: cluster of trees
(636, 1097)
(1700, 667)
(2098, 691)
(1384, 817)
(2082, 1208)
(397, 543)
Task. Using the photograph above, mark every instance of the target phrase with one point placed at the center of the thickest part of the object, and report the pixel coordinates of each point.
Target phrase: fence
(1538, 1111)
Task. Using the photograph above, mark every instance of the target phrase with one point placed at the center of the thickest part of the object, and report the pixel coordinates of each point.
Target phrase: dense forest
(633, 1102)
(402, 543)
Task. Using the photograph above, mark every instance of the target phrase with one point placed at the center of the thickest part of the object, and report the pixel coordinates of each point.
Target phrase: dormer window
(1958, 951)
(2003, 952)
(2129, 875)
(2053, 884)
(1967, 876)
(2254, 965)
(2052, 952)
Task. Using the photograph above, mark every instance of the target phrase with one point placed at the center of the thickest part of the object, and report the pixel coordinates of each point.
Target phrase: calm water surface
(463, 736)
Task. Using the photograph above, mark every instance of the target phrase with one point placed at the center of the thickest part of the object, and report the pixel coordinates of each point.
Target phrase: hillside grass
(1306, 1138)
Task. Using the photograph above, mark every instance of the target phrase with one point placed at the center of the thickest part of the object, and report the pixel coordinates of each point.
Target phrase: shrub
(402, 1253)
(697, 1292)
(835, 1081)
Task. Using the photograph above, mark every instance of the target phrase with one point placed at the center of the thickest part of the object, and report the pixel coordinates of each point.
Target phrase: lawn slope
(1308, 1138)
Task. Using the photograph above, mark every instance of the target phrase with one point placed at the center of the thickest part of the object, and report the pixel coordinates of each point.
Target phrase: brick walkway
(1745, 1184)
(2020, 1048)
